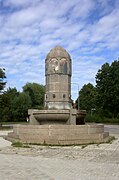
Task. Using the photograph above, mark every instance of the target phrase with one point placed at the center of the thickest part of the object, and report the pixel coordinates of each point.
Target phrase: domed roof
(58, 51)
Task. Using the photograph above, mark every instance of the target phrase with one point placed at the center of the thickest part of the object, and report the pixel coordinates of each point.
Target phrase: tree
(107, 86)
(20, 106)
(87, 97)
(6, 104)
(36, 92)
(2, 77)
(14, 105)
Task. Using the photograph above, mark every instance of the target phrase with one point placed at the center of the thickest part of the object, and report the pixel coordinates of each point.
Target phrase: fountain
(58, 107)
(59, 123)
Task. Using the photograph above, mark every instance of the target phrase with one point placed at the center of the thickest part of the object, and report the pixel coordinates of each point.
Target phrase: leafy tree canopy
(87, 96)
(14, 105)
(107, 87)
(2, 77)
(20, 106)
(6, 104)
(36, 92)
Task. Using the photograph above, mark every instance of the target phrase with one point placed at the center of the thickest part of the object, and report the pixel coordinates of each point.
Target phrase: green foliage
(17, 144)
(87, 97)
(20, 106)
(107, 88)
(14, 105)
(94, 118)
(101, 119)
(104, 98)
(20, 145)
(6, 104)
(36, 93)
(2, 77)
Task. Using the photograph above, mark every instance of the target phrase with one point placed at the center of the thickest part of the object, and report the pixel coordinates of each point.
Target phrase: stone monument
(58, 107)
(59, 123)
(58, 79)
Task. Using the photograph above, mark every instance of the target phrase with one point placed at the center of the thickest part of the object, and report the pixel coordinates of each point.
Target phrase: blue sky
(87, 29)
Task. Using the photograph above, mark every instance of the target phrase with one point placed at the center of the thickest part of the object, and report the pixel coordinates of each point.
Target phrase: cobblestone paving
(92, 162)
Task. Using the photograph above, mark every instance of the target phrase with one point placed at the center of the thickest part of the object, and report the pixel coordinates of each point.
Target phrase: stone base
(56, 117)
(59, 134)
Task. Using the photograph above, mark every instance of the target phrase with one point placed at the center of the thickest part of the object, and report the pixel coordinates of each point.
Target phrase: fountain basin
(52, 116)
(55, 116)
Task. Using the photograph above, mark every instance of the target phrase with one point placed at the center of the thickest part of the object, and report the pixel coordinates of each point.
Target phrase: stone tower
(58, 79)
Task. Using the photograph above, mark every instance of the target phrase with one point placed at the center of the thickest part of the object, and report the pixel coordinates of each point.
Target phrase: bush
(98, 119)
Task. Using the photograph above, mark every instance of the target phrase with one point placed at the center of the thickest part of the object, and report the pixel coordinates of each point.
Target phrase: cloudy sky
(29, 29)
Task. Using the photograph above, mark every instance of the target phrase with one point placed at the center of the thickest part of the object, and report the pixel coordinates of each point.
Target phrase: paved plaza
(92, 162)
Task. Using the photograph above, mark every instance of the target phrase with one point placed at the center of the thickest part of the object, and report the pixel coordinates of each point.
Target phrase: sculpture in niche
(53, 66)
(58, 66)
(63, 66)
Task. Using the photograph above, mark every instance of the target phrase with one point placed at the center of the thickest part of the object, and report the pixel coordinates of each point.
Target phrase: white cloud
(106, 28)
(19, 3)
(88, 29)
(82, 8)
(24, 17)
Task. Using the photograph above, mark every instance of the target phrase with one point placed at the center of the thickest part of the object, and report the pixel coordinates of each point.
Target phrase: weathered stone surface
(58, 71)
(58, 79)
(59, 134)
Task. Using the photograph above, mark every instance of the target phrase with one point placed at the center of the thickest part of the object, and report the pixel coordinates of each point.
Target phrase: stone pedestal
(59, 134)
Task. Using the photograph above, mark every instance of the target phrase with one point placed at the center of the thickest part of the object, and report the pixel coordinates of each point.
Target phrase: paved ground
(93, 162)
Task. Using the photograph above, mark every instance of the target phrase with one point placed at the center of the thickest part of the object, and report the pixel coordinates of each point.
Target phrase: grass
(15, 122)
(20, 145)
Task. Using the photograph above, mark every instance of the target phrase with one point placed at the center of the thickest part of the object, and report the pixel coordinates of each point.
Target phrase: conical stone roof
(58, 51)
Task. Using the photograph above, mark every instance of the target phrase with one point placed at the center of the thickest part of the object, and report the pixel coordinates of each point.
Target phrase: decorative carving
(63, 66)
(58, 61)
(53, 66)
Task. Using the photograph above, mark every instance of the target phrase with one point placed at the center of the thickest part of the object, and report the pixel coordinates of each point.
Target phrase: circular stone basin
(52, 116)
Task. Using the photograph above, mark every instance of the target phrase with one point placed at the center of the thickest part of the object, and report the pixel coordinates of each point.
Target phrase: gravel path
(92, 162)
